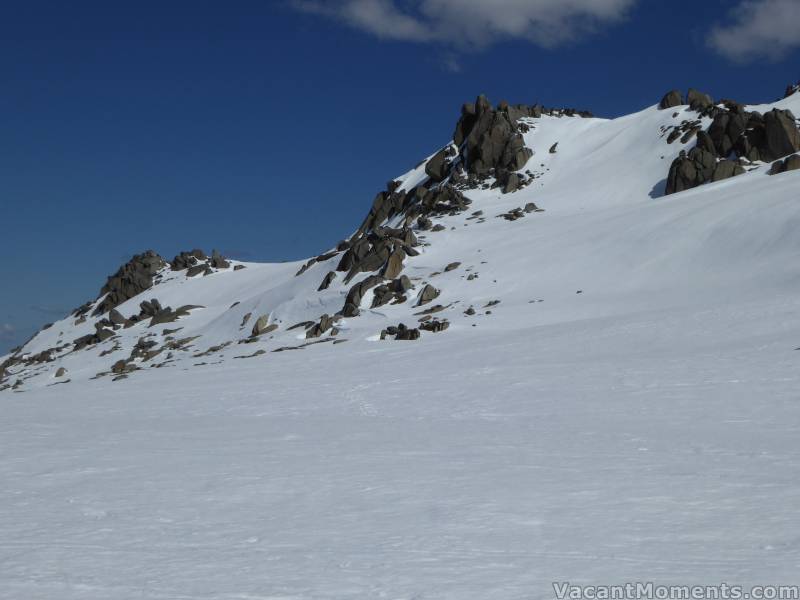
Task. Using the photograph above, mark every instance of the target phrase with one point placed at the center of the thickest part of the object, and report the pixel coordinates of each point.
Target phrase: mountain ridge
(497, 155)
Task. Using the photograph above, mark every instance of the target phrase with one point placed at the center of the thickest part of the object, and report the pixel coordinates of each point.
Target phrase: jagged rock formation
(196, 262)
(132, 278)
(184, 260)
(671, 99)
(735, 138)
(698, 100)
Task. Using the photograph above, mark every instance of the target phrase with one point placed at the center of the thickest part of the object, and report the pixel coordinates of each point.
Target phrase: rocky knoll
(488, 143)
(487, 146)
(132, 278)
(735, 139)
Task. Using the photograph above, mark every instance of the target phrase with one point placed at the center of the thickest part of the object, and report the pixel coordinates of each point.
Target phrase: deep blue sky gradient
(264, 132)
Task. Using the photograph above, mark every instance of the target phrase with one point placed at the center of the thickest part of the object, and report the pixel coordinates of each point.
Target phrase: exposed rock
(791, 163)
(671, 99)
(195, 270)
(434, 326)
(427, 294)
(325, 323)
(327, 280)
(239, 267)
(452, 266)
(131, 279)
(61, 372)
(401, 332)
(167, 315)
(356, 294)
(394, 292)
(554, 148)
(394, 264)
(149, 308)
(218, 261)
(438, 167)
(116, 317)
(782, 135)
(698, 100)
(263, 326)
(104, 334)
(704, 142)
(726, 169)
(511, 184)
(734, 131)
(490, 139)
(688, 171)
(184, 260)
(121, 366)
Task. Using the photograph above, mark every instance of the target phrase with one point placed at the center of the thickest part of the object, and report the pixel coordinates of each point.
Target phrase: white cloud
(379, 17)
(470, 23)
(758, 29)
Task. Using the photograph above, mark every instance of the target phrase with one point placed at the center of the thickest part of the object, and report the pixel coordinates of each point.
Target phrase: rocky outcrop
(427, 294)
(726, 169)
(698, 100)
(132, 278)
(393, 292)
(438, 167)
(101, 334)
(262, 326)
(782, 135)
(325, 324)
(671, 99)
(791, 163)
(698, 167)
(735, 137)
(184, 260)
(356, 294)
(326, 281)
(401, 332)
(195, 262)
(489, 140)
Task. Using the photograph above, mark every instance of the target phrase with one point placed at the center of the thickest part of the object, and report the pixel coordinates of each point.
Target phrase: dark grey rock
(427, 294)
(671, 99)
(512, 183)
(218, 261)
(326, 281)
(782, 135)
(698, 100)
(131, 279)
(394, 264)
(438, 167)
(726, 169)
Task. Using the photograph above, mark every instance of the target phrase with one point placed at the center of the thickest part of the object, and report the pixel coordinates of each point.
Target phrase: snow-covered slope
(614, 400)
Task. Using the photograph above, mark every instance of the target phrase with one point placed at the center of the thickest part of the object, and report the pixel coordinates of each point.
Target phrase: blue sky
(264, 129)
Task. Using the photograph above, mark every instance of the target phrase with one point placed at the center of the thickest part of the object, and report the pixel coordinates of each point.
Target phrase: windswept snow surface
(644, 429)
